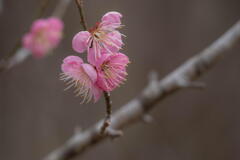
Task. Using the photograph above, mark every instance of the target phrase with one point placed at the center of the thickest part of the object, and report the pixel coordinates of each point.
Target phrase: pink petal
(55, 23)
(71, 65)
(79, 42)
(116, 72)
(120, 58)
(112, 17)
(54, 37)
(39, 50)
(91, 72)
(92, 58)
(116, 40)
(102, 83)
(27, 40)
(73, 59)
(97, 92)
(38, 25)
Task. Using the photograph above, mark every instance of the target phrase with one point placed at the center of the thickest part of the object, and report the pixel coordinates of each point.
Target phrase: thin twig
(107, 120)
(81, 13)
(61, 8)
(134, 110)
(42, 9)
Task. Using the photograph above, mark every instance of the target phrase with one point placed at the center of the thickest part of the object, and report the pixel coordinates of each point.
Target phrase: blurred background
(36, 115)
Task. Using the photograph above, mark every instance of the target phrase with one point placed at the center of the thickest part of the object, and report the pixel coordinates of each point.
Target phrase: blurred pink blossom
(103, 37)
(82, 76)
(45, 34)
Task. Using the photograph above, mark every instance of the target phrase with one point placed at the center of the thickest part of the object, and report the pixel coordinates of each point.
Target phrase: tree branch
(19, 54)
(155, 91)
(79, 4)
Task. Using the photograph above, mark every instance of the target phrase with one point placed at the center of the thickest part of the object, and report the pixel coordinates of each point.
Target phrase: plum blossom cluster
(106, 67)
(44, 35)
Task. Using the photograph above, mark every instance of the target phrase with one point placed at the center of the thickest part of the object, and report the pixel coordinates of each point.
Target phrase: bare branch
(61, 8)
(79, 4)
(134, 110)
(19, 54)
(43, 8)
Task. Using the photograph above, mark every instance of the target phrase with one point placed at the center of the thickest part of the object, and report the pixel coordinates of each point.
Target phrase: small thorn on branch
(106, 123)
(146, 118)
(153, 84)
(153, 76)
(113, 133)
(189, 84)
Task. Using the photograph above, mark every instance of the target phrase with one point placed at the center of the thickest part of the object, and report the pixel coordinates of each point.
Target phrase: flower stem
(81, 13)
(107, 119)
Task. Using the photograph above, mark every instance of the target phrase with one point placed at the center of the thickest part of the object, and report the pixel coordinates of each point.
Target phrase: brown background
(36, 115)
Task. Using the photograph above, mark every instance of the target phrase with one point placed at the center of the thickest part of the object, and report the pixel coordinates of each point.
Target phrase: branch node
(188, 84)
(146, 118)
(104, 126)
(153, 84)
(113, 133)
(153, 76)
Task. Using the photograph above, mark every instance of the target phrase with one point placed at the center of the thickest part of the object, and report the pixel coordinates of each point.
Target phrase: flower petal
(94, 60)
(79, 42)
(38, 25)
(115, 41)
(91, 72)
(97, 92)
(27, 41)
(71, 66)
(111, 70)
(120, 58)
(54, 38)
(112, 17)
(39, 50)
(55, 23)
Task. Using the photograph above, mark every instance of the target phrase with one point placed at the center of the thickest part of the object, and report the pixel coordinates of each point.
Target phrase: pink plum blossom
(107, 68)
(100, 38)
(82, 76)
(111, 70)
(45, 34)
